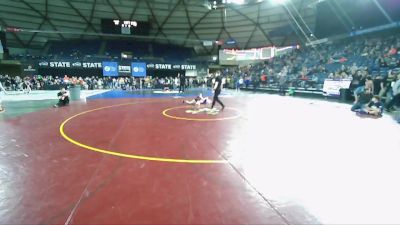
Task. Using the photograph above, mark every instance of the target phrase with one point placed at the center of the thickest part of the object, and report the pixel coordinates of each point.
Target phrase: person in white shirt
(396, 95)
(2, 91)
(176, 82)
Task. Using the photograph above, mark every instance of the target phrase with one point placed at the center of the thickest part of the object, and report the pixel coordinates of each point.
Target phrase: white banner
(332, 87)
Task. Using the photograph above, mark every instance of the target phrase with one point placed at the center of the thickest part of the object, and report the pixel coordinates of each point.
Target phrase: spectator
(359, 83)
(396, 95)
(282, 84)
(363, 99)
(2, 91)
(374, 107)
(386, 90)
(369, 84)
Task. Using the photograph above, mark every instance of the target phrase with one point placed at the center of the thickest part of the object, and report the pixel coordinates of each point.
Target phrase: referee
(182, 80)
(217, 91)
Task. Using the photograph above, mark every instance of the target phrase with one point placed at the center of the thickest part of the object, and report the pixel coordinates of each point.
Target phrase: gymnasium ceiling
(183, 22)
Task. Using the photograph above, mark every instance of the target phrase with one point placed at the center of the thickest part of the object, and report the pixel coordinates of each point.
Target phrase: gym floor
(141, 158)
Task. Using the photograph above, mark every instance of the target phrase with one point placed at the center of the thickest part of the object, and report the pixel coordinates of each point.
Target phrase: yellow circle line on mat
(199, 119)
(109, 152)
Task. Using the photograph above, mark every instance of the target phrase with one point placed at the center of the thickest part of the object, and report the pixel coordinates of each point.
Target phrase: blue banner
(139, 69)
(110, 69)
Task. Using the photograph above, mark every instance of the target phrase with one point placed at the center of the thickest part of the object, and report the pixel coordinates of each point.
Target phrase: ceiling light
(278, 1)
(239, 2)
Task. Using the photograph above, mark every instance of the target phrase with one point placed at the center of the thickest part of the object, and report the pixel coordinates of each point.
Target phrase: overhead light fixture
(279, 1)
(238, 2)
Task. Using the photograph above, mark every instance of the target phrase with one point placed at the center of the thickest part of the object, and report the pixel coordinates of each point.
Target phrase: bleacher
(333, 61)
(73, 49)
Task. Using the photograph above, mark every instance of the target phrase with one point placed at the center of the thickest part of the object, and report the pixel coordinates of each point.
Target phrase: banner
(77, 64)
(110, 69)
(188, 67)
(91, 65)
(29, 69)
(167, 66)
(43, 64)
(60, 64)
(332, 87)
(73, 64)
(139, 69)
(124, 69)
(163, 66)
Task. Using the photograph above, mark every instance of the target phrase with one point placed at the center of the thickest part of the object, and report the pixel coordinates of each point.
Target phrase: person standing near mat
(217, 91)
(182, 80)
(2, 91)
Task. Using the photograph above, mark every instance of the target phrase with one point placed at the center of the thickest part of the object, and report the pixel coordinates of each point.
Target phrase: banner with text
(110, 69)
(167, 66)
(138, 69)
(70, 64)
(123, 68)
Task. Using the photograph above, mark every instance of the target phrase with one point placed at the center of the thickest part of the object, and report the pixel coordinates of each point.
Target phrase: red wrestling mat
(47, 179)
(275, 160)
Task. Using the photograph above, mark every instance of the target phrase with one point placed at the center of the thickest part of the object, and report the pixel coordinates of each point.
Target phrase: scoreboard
(127, 27)
(233, 56)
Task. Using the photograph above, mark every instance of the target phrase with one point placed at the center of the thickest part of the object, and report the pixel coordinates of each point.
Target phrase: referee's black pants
(182, 86)
(216, 99)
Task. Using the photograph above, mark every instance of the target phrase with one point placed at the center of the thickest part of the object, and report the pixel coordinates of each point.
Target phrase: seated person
(362, 100)
(63, 98)
(374, 107)
(199, 100)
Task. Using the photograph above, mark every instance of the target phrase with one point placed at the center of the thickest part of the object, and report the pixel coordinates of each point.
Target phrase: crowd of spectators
(307, 68)
(372, 60)
(39, 82)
